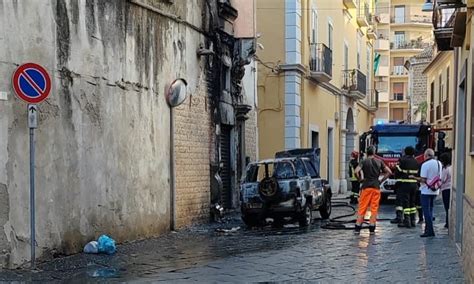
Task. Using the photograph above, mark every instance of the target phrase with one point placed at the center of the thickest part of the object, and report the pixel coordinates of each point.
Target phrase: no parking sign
(32, 84)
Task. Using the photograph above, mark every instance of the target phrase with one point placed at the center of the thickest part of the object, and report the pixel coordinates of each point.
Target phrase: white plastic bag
(92, 247)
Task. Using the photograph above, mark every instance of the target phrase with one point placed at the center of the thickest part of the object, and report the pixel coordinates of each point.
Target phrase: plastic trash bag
(92, 247)
(106, 245)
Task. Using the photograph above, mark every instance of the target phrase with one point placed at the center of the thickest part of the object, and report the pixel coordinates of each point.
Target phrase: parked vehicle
(287, 186)
(391, 139)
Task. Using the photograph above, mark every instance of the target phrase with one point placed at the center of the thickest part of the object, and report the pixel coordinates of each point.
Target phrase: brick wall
(251, 136)
(194, 147)
(419, 91)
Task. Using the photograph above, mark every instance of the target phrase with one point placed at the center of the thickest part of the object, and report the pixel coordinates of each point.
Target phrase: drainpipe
(172, 174)
(175, 95)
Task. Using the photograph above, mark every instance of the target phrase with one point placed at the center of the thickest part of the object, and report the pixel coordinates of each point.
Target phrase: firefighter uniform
(407, 189)
(353, 163)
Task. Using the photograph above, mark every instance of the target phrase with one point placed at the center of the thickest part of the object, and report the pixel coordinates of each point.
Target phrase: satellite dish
(177, 94)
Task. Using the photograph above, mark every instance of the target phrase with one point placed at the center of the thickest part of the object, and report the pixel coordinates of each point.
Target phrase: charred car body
(287, 186)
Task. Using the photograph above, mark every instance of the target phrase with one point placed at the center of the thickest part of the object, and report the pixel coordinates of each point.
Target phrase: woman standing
(445, 159)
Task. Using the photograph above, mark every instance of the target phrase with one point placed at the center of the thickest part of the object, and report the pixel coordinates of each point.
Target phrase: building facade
(403, 31)
(454, 37)
(315, 88)
(440, 93)
(104, 151)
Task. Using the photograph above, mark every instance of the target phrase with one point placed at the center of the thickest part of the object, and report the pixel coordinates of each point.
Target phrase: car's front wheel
(306, 217)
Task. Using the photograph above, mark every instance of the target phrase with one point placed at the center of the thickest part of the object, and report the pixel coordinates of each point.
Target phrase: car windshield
(395, 144)
(279, 170)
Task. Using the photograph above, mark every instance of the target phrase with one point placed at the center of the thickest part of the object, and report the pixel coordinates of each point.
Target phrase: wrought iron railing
(413, 44)
(320, 58)
(398, 96)
(408, 19)
(355, 80)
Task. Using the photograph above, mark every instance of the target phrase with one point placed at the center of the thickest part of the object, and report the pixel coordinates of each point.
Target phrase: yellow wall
(271, 85)
(319, 107)
(437, 68)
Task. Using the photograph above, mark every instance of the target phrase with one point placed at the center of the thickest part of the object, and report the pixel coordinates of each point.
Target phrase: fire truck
(391, 139)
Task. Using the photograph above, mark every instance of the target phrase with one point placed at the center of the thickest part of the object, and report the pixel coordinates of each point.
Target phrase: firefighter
(407, 188)
(353, 163)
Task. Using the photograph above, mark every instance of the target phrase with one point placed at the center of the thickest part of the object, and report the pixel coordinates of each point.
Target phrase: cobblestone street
(201, 254)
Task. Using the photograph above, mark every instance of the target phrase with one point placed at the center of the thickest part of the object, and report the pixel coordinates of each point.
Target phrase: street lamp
(427, 7)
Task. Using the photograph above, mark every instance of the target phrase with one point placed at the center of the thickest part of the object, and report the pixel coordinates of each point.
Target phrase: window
(399, 39)
(398, 61)
(431, 106)
(346, 56)
(399, 14)
(398, 91)
(314, 26)
(397, 114)
(446, 97)
(330, 35)
(447, 85)
(369, 70)
(311, 170)
(440, 86)
(300, 169)
(358, 52)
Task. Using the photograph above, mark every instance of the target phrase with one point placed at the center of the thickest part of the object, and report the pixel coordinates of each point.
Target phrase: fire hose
(337, 224)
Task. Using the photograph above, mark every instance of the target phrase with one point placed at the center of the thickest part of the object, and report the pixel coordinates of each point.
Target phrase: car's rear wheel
(306, 217)
(326, 208)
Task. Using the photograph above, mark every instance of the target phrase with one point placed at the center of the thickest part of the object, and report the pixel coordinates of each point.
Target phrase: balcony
(350, 4)
(438, 112)
(383, 18)
(363, 15)
(399, 71)
(382, 44)
(413, 44)
(398, 97)
(449, 24)
(355, 83)
(446, 108)
(411, 19)
(371, 34)
(320, 62)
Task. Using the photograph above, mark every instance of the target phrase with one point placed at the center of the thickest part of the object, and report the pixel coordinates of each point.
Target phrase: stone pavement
(200, 254)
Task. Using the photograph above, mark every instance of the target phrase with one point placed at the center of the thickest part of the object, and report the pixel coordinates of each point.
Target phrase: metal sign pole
(32, 124)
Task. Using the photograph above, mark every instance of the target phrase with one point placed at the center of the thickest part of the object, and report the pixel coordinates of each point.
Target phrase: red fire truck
(391, 139)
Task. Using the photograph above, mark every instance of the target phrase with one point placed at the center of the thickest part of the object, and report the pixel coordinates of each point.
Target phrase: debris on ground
(233, 230)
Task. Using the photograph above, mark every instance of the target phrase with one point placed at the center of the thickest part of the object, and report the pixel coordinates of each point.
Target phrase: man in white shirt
(430, 171)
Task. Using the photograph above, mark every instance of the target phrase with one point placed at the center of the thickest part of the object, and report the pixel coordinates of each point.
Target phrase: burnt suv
(287, 186)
